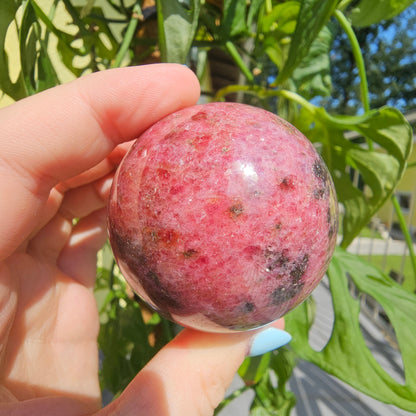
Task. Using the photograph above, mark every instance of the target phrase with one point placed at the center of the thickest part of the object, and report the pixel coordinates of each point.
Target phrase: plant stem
(231, 397)
(343, 4)
(232, 50)
(111, 279)
(136, 16)
(268, 6)
(293, 96)
(340, 123)
(359, 60)
(358, 56)
(409, 282)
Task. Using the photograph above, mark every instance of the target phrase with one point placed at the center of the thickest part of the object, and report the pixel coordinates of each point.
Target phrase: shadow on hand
(47, 402)
(145, 395)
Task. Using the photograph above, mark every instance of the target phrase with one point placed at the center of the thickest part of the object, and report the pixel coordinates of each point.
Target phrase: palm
(55, 327)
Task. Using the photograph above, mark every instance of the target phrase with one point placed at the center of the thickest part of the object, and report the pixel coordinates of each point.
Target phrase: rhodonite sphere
(222, 217)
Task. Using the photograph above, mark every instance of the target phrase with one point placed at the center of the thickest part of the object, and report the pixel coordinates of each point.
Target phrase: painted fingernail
(268, 340)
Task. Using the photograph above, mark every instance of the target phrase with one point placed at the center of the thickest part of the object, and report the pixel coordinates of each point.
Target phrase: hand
(59, 150)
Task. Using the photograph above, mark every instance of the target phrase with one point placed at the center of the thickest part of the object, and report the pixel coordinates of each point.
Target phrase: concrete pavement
(366, 246)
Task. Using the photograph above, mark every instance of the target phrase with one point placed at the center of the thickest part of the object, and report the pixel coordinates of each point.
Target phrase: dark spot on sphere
(236, 210)
(300, 267)
(284, 293)
(248, 307)
(319, 170)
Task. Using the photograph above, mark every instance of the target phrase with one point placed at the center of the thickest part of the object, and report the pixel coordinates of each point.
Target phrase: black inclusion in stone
(300, 268)
(319, 170)
(153, 276)
(159, 294)
(190, 253)
(248, 307)
(319, 193)
(236, 210)
(284, 293)
(276, 259)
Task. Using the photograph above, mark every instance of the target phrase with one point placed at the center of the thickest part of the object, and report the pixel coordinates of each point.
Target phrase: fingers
(94, 178)
(82, 202)
(49, 241)
(55, 135)
(190, 375)
(103, 168)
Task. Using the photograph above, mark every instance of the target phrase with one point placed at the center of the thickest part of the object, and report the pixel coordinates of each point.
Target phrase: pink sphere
(223, 217)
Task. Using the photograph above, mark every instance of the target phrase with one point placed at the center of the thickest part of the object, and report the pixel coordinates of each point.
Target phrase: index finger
(52, 136)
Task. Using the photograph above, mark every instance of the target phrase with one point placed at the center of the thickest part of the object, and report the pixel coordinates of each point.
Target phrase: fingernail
(268, 340)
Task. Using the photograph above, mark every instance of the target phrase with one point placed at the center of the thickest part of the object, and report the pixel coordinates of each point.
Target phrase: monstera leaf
(378, 161)
(346, 354)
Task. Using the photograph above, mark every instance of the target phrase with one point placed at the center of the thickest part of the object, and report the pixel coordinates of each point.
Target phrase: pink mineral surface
(223, 217)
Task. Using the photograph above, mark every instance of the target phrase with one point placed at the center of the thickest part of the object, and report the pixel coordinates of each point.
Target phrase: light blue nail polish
(268, 340)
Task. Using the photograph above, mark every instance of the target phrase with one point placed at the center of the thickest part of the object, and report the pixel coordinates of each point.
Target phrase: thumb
(190, 375)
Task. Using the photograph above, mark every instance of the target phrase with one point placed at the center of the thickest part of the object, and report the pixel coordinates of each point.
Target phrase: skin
(59, 150)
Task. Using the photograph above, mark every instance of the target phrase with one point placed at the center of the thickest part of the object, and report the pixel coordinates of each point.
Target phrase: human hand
(59, 150)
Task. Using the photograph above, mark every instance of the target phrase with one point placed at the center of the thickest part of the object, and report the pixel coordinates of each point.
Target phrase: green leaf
(274, 29)
(281, 21)
(389, 128)
(15, 90)
(86, 10)
(253, 369)
(270, 400)
(50, 26)
(283, 363)
(46, 74)
(28, 47)
(365, 14)
(92, 30)
(177, 27)
(233, 21)
(254, 8)
(66, 51)
(379, 169)
(94, 39)
(312, 75)
(265, 400)
(37, 69)
(346, 354)
(380, 173)
(124, 336)
(312, 17)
